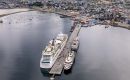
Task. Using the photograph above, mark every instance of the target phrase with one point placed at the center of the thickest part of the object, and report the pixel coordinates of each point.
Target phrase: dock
(123, 25)
(59, 64)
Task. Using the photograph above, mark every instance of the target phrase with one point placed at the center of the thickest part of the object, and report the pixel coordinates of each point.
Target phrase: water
(8, 11)
(22, 40)
(103, 53)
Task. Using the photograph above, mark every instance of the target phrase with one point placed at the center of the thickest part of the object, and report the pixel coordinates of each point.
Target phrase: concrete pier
(59, 64)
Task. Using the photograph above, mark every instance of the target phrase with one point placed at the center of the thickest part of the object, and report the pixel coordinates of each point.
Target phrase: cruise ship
(52, 51)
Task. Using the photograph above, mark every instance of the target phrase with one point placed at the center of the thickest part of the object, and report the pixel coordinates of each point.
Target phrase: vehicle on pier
(72, 28)
(84, 25)
(75, 44)
(69, 60)
(74, 25)
(52, 51)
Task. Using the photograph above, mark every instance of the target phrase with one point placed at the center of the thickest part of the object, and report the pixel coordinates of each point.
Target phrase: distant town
(65, 4)
(111, 10)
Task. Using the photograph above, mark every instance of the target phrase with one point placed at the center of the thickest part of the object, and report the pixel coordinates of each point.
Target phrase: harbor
(58, 66)
(71, 40)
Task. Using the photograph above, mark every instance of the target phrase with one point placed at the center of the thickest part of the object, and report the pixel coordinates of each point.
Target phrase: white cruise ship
(52, 51)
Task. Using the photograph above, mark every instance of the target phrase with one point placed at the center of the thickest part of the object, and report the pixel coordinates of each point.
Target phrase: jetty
(59, 64)
(123, 25)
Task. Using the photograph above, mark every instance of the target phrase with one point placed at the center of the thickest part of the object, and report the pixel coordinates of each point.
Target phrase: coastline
(65, 13)
(5, 12)
(60, 12)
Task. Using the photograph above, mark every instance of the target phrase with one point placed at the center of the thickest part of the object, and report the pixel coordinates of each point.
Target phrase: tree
(37, 4)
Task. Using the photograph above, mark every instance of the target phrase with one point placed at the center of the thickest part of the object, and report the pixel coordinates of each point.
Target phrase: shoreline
(64, 13)
(120, 25)
(18, 10)
(60, 12)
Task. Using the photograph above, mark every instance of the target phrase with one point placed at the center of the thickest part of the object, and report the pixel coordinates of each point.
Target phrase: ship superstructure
(52, 51)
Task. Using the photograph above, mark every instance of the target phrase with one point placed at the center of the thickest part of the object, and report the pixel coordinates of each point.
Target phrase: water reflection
(103, 55)
(45, 73)
(22, 41)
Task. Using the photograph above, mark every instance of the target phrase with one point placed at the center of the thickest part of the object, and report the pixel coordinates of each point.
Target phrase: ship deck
(59, 64)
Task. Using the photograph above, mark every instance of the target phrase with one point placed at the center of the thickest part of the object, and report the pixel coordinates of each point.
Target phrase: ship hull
(68, 65)
(48, 66)
(45, 70)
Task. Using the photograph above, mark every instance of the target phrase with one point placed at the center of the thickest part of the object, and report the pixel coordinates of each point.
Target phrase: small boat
(63, 16)
(75, 44)
(53, 77)
(106, 26)
(69, 60)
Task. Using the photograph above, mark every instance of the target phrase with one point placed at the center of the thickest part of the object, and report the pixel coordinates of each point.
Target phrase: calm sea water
(104, 54)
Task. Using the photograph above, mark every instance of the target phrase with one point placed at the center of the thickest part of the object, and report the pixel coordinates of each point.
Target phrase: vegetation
(39, 4)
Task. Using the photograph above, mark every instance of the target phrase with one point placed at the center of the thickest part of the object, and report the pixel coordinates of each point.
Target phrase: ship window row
(46, 59)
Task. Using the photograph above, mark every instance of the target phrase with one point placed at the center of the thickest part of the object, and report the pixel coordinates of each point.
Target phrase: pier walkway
(59, 64)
